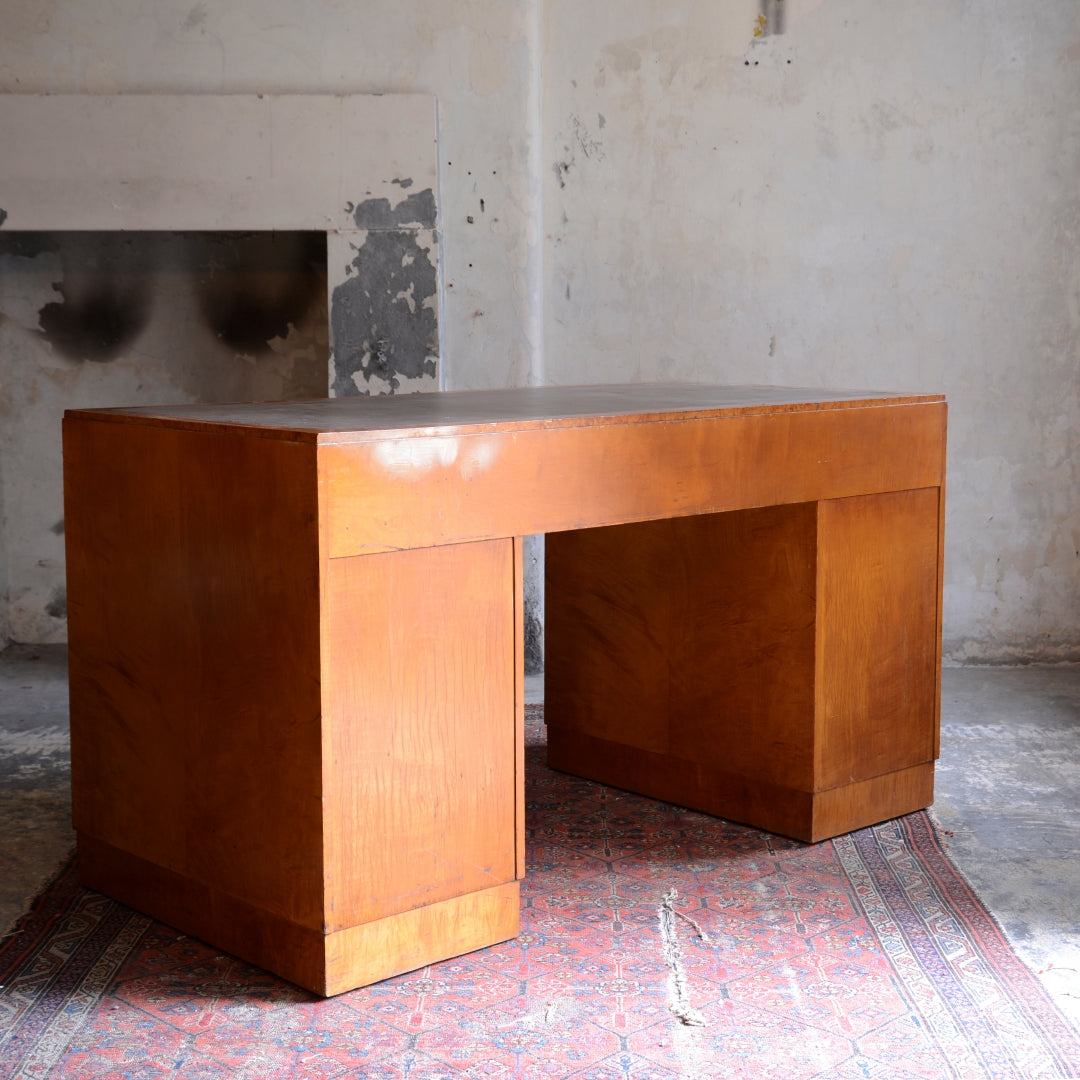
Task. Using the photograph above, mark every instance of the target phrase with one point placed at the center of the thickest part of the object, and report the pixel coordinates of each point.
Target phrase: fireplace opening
(91, 319)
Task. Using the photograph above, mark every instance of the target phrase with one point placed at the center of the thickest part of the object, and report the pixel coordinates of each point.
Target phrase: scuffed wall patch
(383, 317)
(3, 216)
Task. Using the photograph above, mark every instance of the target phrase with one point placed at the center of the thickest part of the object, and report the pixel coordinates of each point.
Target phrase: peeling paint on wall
(591, 147)
(417, 211)
(383, 317)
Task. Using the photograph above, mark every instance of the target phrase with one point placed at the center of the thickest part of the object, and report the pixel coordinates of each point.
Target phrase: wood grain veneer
(193, 621)
(419, 760)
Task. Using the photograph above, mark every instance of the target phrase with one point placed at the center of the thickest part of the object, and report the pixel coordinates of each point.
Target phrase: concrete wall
(859, 195)
(877, 196)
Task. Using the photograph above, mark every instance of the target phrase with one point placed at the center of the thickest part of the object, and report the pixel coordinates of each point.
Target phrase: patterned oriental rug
(657, 943)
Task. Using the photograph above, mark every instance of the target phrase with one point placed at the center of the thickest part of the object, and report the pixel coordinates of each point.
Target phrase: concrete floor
(1008, 796)
(35, 765)
(1008, 790)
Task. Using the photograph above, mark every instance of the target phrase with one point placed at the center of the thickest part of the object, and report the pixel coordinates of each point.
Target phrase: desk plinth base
(326, 964)
(804, 815)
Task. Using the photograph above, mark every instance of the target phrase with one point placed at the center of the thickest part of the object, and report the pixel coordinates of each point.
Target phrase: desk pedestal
(774, 666)
(315, 764)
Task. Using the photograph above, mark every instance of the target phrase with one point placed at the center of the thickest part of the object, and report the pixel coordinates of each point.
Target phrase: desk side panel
(395, 493)
(193, 610)
(878, 625)
(692, 638)
(420, 673)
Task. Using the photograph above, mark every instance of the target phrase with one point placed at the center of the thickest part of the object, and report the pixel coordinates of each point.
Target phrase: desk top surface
(461, 412)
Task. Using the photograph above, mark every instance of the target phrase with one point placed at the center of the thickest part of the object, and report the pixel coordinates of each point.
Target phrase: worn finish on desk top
(427, 469)
(476, 411)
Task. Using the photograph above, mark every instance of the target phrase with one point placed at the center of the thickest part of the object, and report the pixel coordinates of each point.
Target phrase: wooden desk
(296, 642)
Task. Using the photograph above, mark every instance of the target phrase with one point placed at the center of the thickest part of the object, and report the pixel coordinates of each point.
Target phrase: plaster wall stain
(383, 317)
(195, 17)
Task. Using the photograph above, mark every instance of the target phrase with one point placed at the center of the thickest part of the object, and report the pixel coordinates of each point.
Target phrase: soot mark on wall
(105, 297)
(534, 644)
(259, 284)
(382, 319)
(249, 288)
(96, 322)
(417, 211)
(57, 605)
(57, 318)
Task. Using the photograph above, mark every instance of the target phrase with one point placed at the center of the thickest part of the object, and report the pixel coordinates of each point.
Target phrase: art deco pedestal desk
(297, 659)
